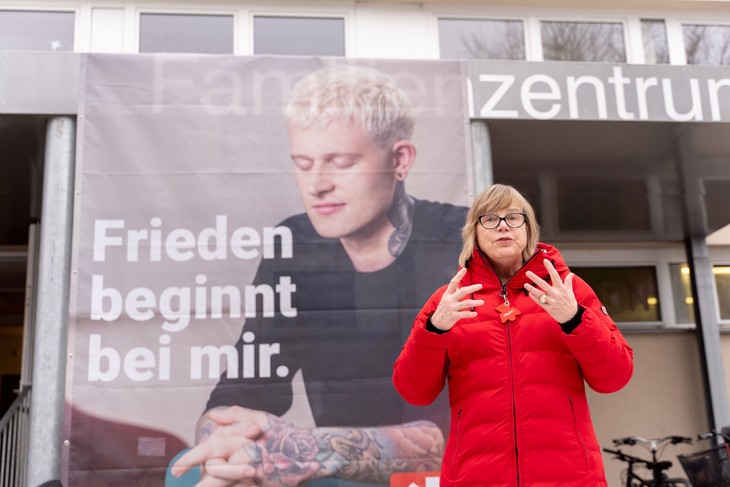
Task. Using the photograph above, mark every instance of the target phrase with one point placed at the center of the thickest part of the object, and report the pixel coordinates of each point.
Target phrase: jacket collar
(481, 270)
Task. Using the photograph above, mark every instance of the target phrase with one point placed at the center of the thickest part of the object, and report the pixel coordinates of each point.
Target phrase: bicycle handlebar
(652, 443)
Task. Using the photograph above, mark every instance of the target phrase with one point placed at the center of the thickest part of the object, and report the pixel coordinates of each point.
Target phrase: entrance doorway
(22, 141)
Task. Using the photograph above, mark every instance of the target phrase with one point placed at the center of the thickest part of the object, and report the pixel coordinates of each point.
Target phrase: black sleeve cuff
(432, 328)
(573, 323)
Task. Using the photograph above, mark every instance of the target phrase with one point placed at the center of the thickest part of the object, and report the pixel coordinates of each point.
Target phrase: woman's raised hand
(456, 303)
(558, 300)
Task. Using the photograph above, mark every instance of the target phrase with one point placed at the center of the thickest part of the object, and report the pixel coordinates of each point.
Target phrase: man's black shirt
(350, 326)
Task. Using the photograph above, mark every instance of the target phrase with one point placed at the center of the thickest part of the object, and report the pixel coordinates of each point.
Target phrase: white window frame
(660, 256)
(477, 13)
(675, 36)
(550, 217)
(657, 256)
(629, 42)
(679, 23)
(724, 323)
(719, 255)
(344, 15)
(634, 28)
(532, 19)
(436, 41)
(40, 7)
(675, 40)
(136, 32)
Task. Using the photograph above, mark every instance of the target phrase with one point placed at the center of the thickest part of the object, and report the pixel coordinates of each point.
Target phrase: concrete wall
(665, 397)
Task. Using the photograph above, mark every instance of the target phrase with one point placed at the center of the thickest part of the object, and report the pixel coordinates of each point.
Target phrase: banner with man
(253, 238)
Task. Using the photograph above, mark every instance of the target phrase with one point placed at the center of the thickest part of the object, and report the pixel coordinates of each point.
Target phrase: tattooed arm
(252, 446)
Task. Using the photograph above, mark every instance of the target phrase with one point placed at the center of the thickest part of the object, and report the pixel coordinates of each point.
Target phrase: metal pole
(30, 300)
(708, 332)
(51, 327)
(701, 280)
(481, 149)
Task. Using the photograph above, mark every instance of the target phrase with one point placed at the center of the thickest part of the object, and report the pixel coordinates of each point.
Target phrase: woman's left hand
(558, 300)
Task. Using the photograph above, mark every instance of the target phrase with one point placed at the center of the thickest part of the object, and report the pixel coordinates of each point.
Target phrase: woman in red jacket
(517, 335)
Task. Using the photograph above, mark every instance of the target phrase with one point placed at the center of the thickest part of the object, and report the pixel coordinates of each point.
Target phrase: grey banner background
(185, 138)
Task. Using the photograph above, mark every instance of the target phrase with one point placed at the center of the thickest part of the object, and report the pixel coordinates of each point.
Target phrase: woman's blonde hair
(494, 198)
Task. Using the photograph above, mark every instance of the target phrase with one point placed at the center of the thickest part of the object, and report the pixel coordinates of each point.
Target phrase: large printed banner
(253, 238)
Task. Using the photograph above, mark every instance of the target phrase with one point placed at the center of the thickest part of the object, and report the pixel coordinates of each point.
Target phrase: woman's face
(503, 245)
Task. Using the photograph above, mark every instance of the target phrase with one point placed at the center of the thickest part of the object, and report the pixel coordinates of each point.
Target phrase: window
(205, 34)
(36, 31)
(683, 300)
(603, 204)
(481, 39)
(707, 44)
(722, 283)
(583, 41)
(303, 36)
(630, 294)
(654, 37)
(682, 293)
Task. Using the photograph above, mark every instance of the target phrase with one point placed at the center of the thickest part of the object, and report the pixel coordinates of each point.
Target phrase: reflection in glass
(481, 39)
(583, 41)
(301, 36)
(36, 31)
(707, 44)
(204, 34)
(722, 283)
(682, 292)
(654, 37)
(684, 311)
(630, 294)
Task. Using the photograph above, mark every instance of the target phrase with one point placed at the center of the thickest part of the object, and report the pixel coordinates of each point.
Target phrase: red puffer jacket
(519, 414)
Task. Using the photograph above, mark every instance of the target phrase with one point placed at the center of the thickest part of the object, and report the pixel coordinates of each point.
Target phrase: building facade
(614, 120)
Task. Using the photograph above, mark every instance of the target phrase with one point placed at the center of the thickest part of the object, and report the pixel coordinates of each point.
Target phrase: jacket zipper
(503, 295)
(512, 383)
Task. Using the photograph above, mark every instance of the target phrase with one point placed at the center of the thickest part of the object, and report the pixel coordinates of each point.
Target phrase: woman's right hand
(453, 305)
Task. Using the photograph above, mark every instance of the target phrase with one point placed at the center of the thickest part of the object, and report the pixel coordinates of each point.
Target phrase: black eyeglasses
(513, 220)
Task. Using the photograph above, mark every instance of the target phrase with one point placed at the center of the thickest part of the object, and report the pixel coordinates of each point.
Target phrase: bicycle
(709, 468)
(658, 468)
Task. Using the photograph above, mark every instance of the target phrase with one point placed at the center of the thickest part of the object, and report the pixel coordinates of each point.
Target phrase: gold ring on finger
(543, 298)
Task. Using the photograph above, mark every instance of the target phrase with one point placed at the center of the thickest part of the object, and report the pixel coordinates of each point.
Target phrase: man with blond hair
(366, 255)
